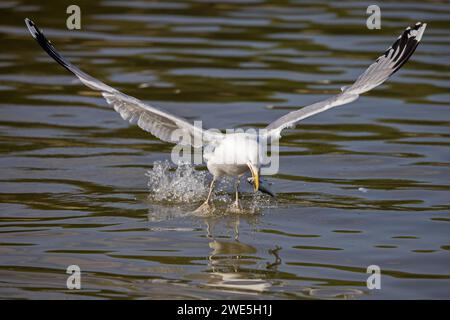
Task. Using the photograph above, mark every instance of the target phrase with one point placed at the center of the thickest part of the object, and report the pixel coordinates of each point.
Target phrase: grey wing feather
(161, 124)
(377, 73)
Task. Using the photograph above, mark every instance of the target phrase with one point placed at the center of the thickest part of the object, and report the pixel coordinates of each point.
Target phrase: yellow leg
(207, 206)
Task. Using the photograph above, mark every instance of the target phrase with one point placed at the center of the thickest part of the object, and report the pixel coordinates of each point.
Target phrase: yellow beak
(255, 175)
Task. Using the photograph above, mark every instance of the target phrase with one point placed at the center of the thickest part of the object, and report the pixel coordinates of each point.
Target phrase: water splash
(176, 184)
(175, 189)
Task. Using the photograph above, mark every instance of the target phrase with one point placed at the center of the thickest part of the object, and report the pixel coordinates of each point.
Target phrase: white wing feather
(386, 65)
(161, 124)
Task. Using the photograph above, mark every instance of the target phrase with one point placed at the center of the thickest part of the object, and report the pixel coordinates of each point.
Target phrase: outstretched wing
(378, 72)
(161, 124)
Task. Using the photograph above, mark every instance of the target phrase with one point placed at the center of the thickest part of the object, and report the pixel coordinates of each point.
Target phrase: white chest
(231, 156)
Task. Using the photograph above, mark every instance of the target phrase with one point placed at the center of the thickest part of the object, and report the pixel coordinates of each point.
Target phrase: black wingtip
(32, 28)
(35, 32)
(406, 44)
(46, 45)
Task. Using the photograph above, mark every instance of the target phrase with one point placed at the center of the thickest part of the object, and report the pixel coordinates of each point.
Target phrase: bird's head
(259, 184)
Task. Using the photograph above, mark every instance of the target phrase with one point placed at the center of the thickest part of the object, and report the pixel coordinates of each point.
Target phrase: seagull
(235, 154)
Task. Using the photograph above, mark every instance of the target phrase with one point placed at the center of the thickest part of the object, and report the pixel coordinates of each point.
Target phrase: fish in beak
(258, 183)
(263, 186)
(255, 175)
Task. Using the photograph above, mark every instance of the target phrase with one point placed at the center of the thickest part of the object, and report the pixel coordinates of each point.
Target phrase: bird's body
(218, 169)
(235, 154)
(231, 155)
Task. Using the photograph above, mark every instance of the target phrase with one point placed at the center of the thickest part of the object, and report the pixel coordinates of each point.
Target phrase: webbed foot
(205, 209)
(235, 207)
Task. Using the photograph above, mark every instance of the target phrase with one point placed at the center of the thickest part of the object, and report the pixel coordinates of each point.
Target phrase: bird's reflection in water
(274, 265)
(233, 266)
(229, 260)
